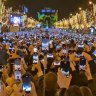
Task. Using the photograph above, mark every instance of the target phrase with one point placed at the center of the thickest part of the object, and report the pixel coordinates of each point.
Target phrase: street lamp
(80, 8)
(90, 2)
(71, 14)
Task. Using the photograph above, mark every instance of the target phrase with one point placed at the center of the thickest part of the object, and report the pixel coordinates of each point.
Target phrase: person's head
(86, 42)
(83, 80)
(73, 91)
(72, 41)
(79, 50)
(51, 81)
(92, 85)
(86, 91)
(40, 82)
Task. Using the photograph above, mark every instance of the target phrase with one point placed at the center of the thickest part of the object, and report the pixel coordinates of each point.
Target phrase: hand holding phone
(82, 63)
(27, 86)
(65, 67)
(62, 79)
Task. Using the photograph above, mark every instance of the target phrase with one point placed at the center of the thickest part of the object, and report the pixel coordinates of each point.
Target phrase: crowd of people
(53, 63)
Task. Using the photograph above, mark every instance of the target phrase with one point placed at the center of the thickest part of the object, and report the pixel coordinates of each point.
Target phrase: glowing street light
(90, 2)
(80, 8)
(71, 14)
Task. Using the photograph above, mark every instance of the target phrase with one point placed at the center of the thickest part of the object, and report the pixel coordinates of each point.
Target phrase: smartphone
(49, 55)
(65, 67)
(27, 87)
(58, 46)
(81, 46)
(64, 51)
(27, 84)
(45, 45)
(78, 55)
(35, 49)
(18, 64)
(35, 58)
(56, 63)
(18, 75)
(1, 68)
(90, 44)
(65, 72)
(94, 53)
(82, 63)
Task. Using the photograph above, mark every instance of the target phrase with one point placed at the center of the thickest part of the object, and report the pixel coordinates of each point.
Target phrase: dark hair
(41, 57)
(79, 51)
(72, 43)
(51, 81)
(73, 91)
(86, 91)
(92, 85)
(86, 42)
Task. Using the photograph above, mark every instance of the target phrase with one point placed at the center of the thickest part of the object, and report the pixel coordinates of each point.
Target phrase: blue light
(48, 10)
(43, 10)
(53, 11)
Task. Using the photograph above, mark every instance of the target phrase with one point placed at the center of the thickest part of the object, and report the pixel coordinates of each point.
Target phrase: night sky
(65, 7)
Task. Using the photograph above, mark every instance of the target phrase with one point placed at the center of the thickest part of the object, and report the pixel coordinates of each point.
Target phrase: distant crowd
(47, 63)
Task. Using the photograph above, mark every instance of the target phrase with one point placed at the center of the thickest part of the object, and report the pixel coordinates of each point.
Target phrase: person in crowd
(56, 64)
(86, 91)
